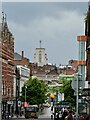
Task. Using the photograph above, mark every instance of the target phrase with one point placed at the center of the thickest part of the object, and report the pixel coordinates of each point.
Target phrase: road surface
(45, 115)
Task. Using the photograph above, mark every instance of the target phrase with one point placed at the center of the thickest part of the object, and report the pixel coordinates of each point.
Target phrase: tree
(68, 91)
(35, 91)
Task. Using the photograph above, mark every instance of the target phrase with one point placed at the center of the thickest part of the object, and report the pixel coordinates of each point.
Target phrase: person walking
(65, 113)
(70, 116)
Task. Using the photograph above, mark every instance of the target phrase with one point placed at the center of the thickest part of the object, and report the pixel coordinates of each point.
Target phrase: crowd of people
(71, 115)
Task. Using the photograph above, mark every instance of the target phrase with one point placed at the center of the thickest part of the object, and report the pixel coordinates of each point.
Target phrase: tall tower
(82, 58)
(40, 57)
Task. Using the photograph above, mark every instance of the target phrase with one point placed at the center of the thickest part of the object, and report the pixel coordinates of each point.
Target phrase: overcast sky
(56, 24)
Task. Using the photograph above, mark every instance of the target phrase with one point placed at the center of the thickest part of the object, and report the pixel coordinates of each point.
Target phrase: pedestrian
(74, 116)
(83, 117)
(70, 116)
(65, 113)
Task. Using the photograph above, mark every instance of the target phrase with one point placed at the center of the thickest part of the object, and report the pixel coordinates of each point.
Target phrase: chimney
(22, 54)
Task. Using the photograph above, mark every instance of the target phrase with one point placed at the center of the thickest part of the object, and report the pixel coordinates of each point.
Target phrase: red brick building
(7, 65)
(21, 59)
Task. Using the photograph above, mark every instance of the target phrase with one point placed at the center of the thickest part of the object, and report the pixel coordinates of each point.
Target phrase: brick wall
(7, 63)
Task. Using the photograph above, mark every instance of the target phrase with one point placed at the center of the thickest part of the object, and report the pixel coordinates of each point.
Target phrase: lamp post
(25, 94)
(77, 99)
(52, 103)
(17, 88)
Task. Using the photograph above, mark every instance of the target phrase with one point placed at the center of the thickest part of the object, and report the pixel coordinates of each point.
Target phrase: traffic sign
(19, 103)
(60, 97)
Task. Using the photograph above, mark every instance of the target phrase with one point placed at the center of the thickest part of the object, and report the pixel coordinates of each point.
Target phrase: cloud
(58, 34)
(25, 12)
(44, 0)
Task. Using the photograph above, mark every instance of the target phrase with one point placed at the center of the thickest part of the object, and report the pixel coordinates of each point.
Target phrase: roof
(40, 48)
(17, 56)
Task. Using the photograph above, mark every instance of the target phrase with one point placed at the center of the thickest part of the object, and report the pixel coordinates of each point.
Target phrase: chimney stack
(22, 54)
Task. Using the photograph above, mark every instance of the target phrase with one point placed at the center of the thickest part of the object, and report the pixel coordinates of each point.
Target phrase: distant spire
(5, 21)
(5, 18)
(40, 43)
(3, 15)
(2, 19)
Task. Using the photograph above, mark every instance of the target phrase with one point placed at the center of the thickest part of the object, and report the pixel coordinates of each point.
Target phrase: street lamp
(52, 103)
(25, 100)
(77, 99)
(25, 94)
(17, 88)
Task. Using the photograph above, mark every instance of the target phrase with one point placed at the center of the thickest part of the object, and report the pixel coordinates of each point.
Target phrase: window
(40, 58)
(25, 72)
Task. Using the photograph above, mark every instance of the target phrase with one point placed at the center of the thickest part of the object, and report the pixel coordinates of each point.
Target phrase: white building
(24, 76)
(40, 57)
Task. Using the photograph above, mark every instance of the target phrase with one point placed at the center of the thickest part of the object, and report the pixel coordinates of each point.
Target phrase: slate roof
(17, 56)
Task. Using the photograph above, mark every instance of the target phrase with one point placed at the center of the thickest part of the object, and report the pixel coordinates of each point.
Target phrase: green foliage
(87, 16)
(35, 91)
(67, 90)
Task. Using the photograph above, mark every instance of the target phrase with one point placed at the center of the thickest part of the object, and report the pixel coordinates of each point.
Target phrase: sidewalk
(15, 116)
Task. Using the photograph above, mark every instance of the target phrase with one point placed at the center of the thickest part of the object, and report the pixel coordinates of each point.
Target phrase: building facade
(40, 57)
(82, 58)
(22, 71)
(24, 76)
(22, 64)
(87, 33)
(7, 67)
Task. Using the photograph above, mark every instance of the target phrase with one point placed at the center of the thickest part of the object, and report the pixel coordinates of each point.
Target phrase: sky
(56, 24)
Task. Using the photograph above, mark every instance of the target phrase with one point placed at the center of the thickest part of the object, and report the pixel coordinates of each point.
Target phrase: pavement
(15, 116)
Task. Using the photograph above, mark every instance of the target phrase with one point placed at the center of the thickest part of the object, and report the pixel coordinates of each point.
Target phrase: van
(31, 111)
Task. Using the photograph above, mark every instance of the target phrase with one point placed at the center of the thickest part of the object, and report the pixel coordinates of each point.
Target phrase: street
(46, 114)
(41, 63)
